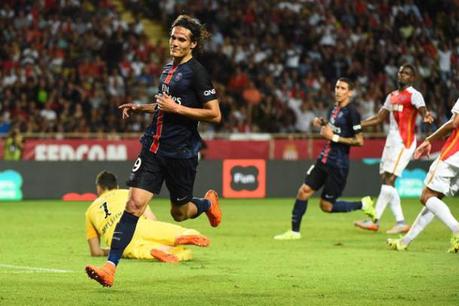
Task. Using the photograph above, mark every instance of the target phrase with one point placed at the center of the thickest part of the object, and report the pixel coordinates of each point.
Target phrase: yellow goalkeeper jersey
(104, 213)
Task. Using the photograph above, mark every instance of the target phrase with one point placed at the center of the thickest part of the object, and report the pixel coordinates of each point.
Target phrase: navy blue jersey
(174, 135)
(345, 122)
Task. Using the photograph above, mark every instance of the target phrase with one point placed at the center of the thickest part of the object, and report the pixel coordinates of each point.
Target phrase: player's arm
(148, 213)
(210, 111)
(319, 122)
(327, 133)
(375, 119)
(129, 108)
(95, 249)
(426, 115)
(426, 146)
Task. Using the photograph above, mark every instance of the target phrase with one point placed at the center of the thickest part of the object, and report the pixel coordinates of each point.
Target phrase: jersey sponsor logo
(328, 196)
(209, 92)
(397, 107)
(357, 127)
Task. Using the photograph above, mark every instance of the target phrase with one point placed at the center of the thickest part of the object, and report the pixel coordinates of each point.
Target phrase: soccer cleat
(288, 235)
(367, 225)
(164, 256)
(368, 207)
(399, 229)
(104, 275)
(396, 244)
(198, 240)
(454, 244)
(214, 214)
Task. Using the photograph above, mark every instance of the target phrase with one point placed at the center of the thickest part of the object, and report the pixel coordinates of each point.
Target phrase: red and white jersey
(403, 107)
(451, 145)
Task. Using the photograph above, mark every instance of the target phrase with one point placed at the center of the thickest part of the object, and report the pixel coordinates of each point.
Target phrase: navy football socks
(122, 235)
(297, 214)
(201, 204)
(345, 206)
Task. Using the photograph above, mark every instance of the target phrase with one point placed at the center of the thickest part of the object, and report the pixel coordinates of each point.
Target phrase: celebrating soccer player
(171, 143)
(402, 105)
(331, 168)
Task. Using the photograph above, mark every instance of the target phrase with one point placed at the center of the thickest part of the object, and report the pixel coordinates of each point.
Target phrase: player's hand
(423, 149)
(326, 132)
(166, 103)
(428, 118)
(127, 108)
(319, 121)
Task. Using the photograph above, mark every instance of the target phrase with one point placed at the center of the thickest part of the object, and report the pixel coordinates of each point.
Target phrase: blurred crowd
(67, 65)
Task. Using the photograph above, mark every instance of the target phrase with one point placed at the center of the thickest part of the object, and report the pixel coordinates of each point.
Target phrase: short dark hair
(410, 66)
(107, 180)
(198, 31)
(349, 82)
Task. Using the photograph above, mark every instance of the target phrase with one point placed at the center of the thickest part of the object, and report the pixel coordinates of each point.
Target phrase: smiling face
(342, 92)
(180, 44)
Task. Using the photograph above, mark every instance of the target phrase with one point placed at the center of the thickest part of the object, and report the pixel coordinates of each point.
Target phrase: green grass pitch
(334, 263)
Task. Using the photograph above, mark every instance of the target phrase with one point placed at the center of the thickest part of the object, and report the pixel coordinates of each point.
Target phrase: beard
(401, 84)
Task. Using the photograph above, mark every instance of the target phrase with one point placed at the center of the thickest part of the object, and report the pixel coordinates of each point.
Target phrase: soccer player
(401, 106)
(331, 168)
(442, 179)
(170, 144)
(152, 238)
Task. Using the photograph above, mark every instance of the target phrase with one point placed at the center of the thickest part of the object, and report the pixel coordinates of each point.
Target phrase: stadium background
(66, 66)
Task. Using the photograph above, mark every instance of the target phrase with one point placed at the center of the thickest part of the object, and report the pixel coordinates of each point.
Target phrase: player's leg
(441, 180)
(333, 188)
(169, 234)
(394, 160)
(145, 180)
(142, 249)
(422, 220)
(180, 178)
(393, 169)
(314, 179)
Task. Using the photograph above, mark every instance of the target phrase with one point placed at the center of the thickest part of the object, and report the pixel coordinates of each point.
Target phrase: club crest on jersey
(178, 76)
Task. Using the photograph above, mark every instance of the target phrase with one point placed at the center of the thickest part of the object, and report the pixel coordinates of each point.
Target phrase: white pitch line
(35, 269)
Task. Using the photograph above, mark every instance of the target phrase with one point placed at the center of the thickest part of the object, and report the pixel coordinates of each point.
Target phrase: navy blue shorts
(151, 170)
(332, 179)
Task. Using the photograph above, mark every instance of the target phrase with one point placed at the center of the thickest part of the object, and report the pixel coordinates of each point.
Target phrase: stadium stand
(67, 65)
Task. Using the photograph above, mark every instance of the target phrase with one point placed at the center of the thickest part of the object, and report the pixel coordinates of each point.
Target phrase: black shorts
(151, 170)
(332, 179)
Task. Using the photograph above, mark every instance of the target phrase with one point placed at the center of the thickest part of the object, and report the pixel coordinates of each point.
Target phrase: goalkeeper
(152, 238)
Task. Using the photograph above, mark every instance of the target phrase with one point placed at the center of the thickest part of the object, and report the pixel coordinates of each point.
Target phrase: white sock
(396, 207)
(385, 196)
(422, 220)
(442, 212)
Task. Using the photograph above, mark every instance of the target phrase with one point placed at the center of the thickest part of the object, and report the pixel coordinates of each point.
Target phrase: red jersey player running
(442, 179)
(401, 106)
